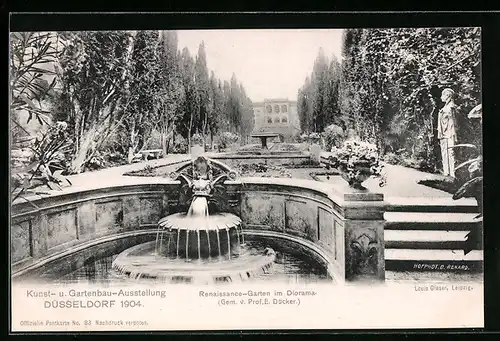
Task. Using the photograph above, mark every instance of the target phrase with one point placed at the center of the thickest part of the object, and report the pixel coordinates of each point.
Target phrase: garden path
(401, 181)
(114, 175)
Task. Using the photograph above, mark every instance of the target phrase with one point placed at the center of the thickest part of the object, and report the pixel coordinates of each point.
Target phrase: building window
(276, 108)
(269, 120)
(269, 109)
(284, 119)
(276, 120)
(284, 108)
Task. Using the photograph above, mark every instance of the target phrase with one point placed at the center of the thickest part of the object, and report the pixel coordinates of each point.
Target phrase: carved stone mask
(201, 166)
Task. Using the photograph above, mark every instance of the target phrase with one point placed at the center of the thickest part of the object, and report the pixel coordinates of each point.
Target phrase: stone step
(429, 221)
(444, 205)
(433, 276)
(418, 239)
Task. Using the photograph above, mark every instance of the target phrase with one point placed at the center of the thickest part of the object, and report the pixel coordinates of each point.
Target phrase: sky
(268, 63)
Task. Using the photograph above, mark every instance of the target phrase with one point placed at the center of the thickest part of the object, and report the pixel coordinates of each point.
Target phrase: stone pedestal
(234, 147)
(263, 141)
(197, 151)
(363, 214)
(264, 138)
(315, 151)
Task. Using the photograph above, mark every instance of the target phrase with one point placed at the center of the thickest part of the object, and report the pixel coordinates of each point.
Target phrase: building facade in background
(277, 116)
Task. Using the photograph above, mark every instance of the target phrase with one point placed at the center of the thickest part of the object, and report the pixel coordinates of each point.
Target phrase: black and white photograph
(239, 169)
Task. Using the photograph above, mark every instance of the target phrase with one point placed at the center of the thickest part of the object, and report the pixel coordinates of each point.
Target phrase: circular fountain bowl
(192, 237)
(141, 261)
(218, 221)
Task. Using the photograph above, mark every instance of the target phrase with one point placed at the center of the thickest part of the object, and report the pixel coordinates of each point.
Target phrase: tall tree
(171, 88)
(95, 73)
(235, 105)
(202, 90)
(144, 91)
(305, 106)
(226, 92)
(319, 83)
(318, 98)
(217, 114)
(191, 102)
(331, 107)
(349, 103)
(246, 114)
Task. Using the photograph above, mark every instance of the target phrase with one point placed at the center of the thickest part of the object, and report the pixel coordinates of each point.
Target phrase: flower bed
(263, 170)
(285, 147)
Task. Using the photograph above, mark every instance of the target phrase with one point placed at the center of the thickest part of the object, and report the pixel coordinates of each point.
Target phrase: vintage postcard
(246, 179)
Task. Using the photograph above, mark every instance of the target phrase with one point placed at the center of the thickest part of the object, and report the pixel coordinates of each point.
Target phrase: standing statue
(446, 131)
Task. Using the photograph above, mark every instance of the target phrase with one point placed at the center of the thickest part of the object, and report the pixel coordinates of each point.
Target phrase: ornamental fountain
(202, 245)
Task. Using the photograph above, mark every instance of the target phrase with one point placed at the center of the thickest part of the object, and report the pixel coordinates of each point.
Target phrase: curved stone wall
(299, 209)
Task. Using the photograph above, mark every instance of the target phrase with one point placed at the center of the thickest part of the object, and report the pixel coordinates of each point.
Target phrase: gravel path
(401, 182)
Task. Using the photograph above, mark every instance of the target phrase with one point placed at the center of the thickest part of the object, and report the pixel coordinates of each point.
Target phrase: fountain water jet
(191, 257)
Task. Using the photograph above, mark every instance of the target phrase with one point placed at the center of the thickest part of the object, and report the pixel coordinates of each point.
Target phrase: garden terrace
(109, 208)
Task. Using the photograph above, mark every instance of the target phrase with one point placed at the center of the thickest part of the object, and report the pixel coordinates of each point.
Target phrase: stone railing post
(363, 214)
(315, 152)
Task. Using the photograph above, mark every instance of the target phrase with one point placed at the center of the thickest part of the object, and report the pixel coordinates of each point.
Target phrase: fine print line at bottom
(440, 267)
(259, 301)
(443, 287)
(79, 323)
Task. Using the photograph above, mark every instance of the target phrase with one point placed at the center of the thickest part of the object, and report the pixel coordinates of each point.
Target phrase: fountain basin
(93, 216)
(142, 261)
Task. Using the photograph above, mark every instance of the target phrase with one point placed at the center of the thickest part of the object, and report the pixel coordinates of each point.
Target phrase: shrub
(285, 147)
(393, 159)
(96, 162)
(48, 161)
(180, 145)
(153, 141)
(263, 170)
(303, 138)
(333, 136)
(226, 138)
(197, 140)
(311, 137)
(179, 148)
(314, 137)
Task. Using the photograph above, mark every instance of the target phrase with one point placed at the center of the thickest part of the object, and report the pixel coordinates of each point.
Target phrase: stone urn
(355, 178)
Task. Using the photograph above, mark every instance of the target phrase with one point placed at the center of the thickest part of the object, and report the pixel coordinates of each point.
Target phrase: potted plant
(314, 138)
(356, 161)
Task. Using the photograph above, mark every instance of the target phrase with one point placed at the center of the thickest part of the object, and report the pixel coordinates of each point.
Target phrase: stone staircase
(428, 235)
